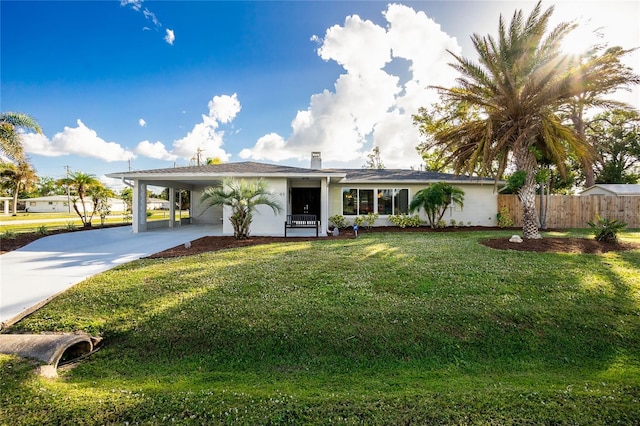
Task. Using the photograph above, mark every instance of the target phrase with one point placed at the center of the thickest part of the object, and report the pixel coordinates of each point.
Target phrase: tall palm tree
(506, 107)
(243, 197)
(19, 177)
(81, 184)
(10, 138)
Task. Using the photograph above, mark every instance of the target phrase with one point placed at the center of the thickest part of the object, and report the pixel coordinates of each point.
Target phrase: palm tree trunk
(15, 202)
(526, 161)
(579, 125)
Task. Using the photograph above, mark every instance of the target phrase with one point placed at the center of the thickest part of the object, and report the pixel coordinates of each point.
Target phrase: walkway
(32, 275)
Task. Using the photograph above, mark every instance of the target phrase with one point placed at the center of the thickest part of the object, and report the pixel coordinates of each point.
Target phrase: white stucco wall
(265, 222)
(480, 203)
(35, 205)
(202, 215)
(51, 207)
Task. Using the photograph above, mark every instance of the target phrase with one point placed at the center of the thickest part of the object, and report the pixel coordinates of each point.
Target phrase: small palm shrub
(71, 226)
(606, 230)
(42, 230)
(338, 221)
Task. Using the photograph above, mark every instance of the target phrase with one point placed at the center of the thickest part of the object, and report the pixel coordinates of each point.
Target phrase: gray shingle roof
(246, 167)
(250, 168)
(403, 175)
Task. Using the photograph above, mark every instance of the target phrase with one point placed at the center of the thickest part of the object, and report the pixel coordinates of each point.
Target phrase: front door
(305, 201)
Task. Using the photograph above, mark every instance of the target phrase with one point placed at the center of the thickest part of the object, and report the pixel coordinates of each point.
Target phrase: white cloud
(151, 17)
(142, 123)
(205, 136)
(271, 142)
(170, 37)
(224, 108)
(369, 106)
(136, 5)
(79, 140)
(348, 45)
(115, 184)
(155, 150)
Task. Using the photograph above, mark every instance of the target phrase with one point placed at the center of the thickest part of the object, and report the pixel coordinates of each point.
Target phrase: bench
(301, 221)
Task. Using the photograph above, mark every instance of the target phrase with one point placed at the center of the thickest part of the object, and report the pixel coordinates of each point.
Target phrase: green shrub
(370, 219)
(358, 220)
(606, 230)
(338, 221)
(504, 218)
(441, 224)
(42, 230)
(9, 235)
(71, 226)
(402, 220)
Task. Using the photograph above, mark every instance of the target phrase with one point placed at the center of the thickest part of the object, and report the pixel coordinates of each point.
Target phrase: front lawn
(424, 328)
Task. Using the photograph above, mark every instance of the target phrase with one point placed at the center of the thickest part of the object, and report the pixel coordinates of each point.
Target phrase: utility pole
(68, 193)
(198, 155)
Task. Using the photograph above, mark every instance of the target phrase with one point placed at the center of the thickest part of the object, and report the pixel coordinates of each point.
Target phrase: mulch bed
(206, 244)
(549, 244)
(560, 245)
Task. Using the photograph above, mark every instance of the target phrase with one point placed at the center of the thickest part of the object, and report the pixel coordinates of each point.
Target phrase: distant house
(60, 204)
(5, 204)
(619, 189)
(157, 204)
(317, 191)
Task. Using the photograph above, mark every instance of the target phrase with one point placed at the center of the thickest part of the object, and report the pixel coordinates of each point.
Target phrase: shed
(619, 189)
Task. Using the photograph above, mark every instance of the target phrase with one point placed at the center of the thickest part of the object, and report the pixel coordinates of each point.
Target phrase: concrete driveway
(32, 275)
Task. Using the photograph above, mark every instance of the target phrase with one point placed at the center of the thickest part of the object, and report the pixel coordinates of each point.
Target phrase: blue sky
(145, 84)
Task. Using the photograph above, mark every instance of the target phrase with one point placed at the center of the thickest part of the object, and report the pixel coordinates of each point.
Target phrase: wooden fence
(572, 211)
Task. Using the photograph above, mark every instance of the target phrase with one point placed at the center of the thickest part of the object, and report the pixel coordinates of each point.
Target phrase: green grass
(53, 221)
(430, 328)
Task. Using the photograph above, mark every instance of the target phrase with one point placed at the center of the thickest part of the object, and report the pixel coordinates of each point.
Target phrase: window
(349, 199)
(365, 198)
(400, 201)
(385, 201)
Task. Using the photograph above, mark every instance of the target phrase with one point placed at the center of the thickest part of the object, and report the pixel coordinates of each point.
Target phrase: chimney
(316, 161)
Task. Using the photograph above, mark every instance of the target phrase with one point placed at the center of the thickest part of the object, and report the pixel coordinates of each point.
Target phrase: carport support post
(172, 207)
(324, 205)
(139, 207)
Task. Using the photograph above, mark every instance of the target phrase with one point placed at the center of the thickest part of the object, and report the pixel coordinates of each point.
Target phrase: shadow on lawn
(228, 321)
(317, 323)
